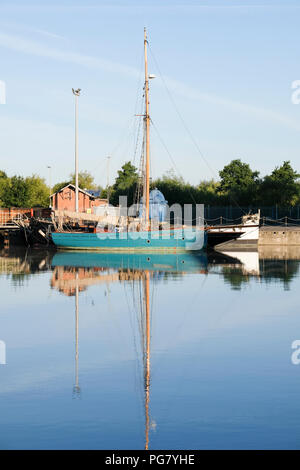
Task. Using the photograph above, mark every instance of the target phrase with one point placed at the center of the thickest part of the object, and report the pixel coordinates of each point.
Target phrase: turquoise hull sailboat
(178, 240)
(145, 236)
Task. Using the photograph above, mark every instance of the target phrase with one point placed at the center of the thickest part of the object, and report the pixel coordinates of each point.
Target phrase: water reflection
(265, 265)
(237, 268)
(20, 263)
(76, 388)
(71, 274)
(74, 272)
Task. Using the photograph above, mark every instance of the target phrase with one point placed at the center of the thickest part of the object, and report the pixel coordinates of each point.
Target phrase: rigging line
(135, 309)
(185, 125)
(180, 116)
(112, 316)
(124, 134)
(180, 376)
(131, 121)
(178, 328)
(166, 148)
(140, 184)
(153, 298)
(130, 124)
(139, 80)
(171, 158)
(138, 368)
(100, 164)
(139, 87)
(140, 314)
(128, 134)
(138, 133)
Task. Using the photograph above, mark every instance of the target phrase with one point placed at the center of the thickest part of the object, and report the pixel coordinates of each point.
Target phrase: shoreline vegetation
(239, 185)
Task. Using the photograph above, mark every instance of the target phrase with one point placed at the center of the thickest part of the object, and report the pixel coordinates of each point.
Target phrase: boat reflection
(74, 272)
(237, 268)
(96, 268)
(153, 262)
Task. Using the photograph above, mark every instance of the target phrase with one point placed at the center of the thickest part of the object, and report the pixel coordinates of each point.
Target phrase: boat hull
(162, 240)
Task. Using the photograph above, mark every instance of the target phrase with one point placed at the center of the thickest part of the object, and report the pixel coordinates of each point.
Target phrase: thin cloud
(25, 46)
(47, 33)
(257, 111)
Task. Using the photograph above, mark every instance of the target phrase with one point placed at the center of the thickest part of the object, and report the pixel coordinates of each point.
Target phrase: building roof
(91, 194)
(94, 192)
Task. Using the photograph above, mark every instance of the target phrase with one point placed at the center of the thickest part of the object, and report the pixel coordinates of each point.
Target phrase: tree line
(238, 184)
(33, 191)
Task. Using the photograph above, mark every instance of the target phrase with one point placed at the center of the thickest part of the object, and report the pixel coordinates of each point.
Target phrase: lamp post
(77, 94)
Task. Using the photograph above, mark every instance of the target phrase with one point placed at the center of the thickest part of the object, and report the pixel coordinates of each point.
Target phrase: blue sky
(228, 66)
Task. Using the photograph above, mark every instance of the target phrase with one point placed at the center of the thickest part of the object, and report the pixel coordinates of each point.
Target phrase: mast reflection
(75, 272)
(76, 388)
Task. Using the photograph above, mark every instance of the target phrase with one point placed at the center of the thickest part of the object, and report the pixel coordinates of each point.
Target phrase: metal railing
(264, 221)
(269, 215)
(9, 219)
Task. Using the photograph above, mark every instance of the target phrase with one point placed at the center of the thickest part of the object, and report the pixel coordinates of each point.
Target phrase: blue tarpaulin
(157, 206)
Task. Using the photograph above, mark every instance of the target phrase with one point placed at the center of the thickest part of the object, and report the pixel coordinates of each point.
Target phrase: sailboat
(140, 234)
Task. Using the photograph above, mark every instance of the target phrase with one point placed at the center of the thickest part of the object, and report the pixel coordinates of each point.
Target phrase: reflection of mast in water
(76, 388)
(147, 359)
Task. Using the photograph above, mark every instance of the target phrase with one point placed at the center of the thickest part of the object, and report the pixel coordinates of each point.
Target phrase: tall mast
(147, 121)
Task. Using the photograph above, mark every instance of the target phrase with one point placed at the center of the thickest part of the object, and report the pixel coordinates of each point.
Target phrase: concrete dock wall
(279, 236)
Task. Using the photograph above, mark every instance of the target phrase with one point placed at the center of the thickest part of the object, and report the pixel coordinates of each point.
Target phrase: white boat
(236, 237)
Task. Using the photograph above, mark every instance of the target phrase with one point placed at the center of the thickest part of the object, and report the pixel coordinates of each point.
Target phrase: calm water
(218, 372)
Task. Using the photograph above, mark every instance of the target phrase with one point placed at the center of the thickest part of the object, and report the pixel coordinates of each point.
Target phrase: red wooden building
(64, 199)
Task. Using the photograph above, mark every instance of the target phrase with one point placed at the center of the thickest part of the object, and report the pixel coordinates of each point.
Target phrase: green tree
(239, 183)
(208, 193)
(127, 176)
(24, 192)
(85, 180)
(59, 186)
(125, 184)
(174, 188)
(281, 187)
(38, 192)
(3, 178)
(14, 192)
